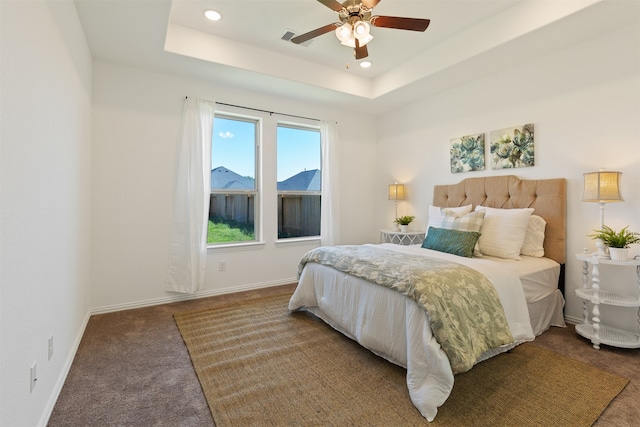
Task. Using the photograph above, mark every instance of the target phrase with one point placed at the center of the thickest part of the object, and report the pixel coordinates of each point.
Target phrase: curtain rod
(264, 111)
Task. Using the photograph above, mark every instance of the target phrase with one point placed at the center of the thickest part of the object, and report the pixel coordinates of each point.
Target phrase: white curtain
(188, 251)
(330, 222)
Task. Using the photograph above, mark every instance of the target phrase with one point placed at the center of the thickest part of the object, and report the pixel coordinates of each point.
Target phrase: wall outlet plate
(33, 377)
(50, 347)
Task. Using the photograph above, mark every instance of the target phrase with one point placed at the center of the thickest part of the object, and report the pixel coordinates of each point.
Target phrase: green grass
(225, 231)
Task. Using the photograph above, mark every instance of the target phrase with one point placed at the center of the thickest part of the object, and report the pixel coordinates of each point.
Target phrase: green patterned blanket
(463, 307)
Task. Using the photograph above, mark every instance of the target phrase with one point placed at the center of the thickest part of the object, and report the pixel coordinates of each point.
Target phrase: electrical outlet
(33, 377)
(222, 265)
(50, 342)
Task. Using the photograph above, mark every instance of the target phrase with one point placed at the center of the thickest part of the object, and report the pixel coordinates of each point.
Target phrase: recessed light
(365, 64)
(212, 15)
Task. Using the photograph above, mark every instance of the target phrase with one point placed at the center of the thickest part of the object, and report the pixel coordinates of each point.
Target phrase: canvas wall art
(512, 147)
(467, 153)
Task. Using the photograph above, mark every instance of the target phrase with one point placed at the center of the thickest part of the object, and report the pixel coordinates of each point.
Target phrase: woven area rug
(260, 365)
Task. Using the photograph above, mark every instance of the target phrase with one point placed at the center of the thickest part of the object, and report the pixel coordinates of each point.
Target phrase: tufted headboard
(546, 196)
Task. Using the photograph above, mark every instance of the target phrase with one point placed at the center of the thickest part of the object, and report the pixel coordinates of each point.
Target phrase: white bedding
(539, 278)
(396, 328)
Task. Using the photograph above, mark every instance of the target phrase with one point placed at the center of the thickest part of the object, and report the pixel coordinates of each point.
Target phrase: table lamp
(602, 187)
(396, 192)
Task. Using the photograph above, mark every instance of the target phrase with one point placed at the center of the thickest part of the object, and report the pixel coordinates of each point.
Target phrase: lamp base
(603, 251)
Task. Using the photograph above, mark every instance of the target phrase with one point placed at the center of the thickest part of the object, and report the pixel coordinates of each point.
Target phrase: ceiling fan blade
(332, 4)
(360, 51)
(315, 33)
(370, 3)
(413, 24)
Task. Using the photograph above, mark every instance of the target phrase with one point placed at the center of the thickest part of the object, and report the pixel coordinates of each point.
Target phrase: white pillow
(534, 237)
(503, 231)
(435, 214)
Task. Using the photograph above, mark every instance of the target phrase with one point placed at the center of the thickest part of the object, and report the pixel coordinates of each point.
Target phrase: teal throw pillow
(455, 242)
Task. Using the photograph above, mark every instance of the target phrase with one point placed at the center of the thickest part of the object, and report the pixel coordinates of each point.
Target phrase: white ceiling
(466, 40)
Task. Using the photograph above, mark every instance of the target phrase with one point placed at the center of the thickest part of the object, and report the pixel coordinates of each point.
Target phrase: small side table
(592, 328)
(400, 238)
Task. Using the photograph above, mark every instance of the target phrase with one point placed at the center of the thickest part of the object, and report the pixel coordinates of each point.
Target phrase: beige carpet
(258, 364)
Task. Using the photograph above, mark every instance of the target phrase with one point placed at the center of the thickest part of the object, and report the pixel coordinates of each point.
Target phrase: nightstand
(400, 238)
(595, 330)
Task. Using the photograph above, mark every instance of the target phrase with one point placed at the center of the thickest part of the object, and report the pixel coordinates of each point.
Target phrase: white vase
(619, 254)
(403, 228)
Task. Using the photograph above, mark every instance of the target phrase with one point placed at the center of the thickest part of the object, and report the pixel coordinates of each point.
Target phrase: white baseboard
(66, 368)
(573, 320)
(175, 297)
(48, 410)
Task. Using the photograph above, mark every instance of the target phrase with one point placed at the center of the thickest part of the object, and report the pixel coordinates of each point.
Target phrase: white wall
(45, 163)
(585, 104)
(80, 219)
(136, 119)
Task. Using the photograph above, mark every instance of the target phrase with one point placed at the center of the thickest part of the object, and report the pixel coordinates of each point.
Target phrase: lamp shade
(396, 191)
(602, 187)
(350, 42)
(364, 40)
(361, 29)
(343, 32)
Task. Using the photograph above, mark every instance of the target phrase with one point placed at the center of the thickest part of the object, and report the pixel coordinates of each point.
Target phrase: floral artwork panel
(467, 153)
(512, 147)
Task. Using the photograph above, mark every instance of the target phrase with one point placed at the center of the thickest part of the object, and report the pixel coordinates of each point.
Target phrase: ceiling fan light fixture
(361, 30)
(344, 33)
(354, 27)
(364, 40)
(350, 42)
(366, 64)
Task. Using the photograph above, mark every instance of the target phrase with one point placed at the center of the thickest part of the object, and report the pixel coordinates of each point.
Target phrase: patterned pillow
(454, 242)
(435, 214)
(470, 222)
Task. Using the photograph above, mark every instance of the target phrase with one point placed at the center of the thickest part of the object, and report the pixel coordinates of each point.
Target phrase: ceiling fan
(355, 20)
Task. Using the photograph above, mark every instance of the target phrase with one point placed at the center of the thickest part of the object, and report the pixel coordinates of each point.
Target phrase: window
(299, 181)
(266, 179)
(232, 202)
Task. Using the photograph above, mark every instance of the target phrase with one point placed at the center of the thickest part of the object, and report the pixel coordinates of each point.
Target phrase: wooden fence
(298, 214)
(233, 207)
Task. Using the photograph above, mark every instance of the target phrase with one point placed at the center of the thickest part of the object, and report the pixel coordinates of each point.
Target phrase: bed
(391, 321)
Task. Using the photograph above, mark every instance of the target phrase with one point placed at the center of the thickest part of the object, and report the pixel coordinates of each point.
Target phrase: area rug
(260, 365)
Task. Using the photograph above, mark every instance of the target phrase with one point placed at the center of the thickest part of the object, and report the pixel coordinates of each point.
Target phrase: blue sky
(233, 148)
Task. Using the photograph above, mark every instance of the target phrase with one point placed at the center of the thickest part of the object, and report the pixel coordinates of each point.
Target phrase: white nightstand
(400, 238)
(595, 330)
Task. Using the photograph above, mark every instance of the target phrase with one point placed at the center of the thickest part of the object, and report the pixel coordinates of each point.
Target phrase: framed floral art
(512, 147)
(467, 153)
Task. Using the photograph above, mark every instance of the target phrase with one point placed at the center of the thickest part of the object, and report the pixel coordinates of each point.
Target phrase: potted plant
(404, 222)
(617, 241)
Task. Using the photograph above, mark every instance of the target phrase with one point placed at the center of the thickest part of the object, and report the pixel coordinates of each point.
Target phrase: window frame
(255, 193)
(285, 193)
(266, 193)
